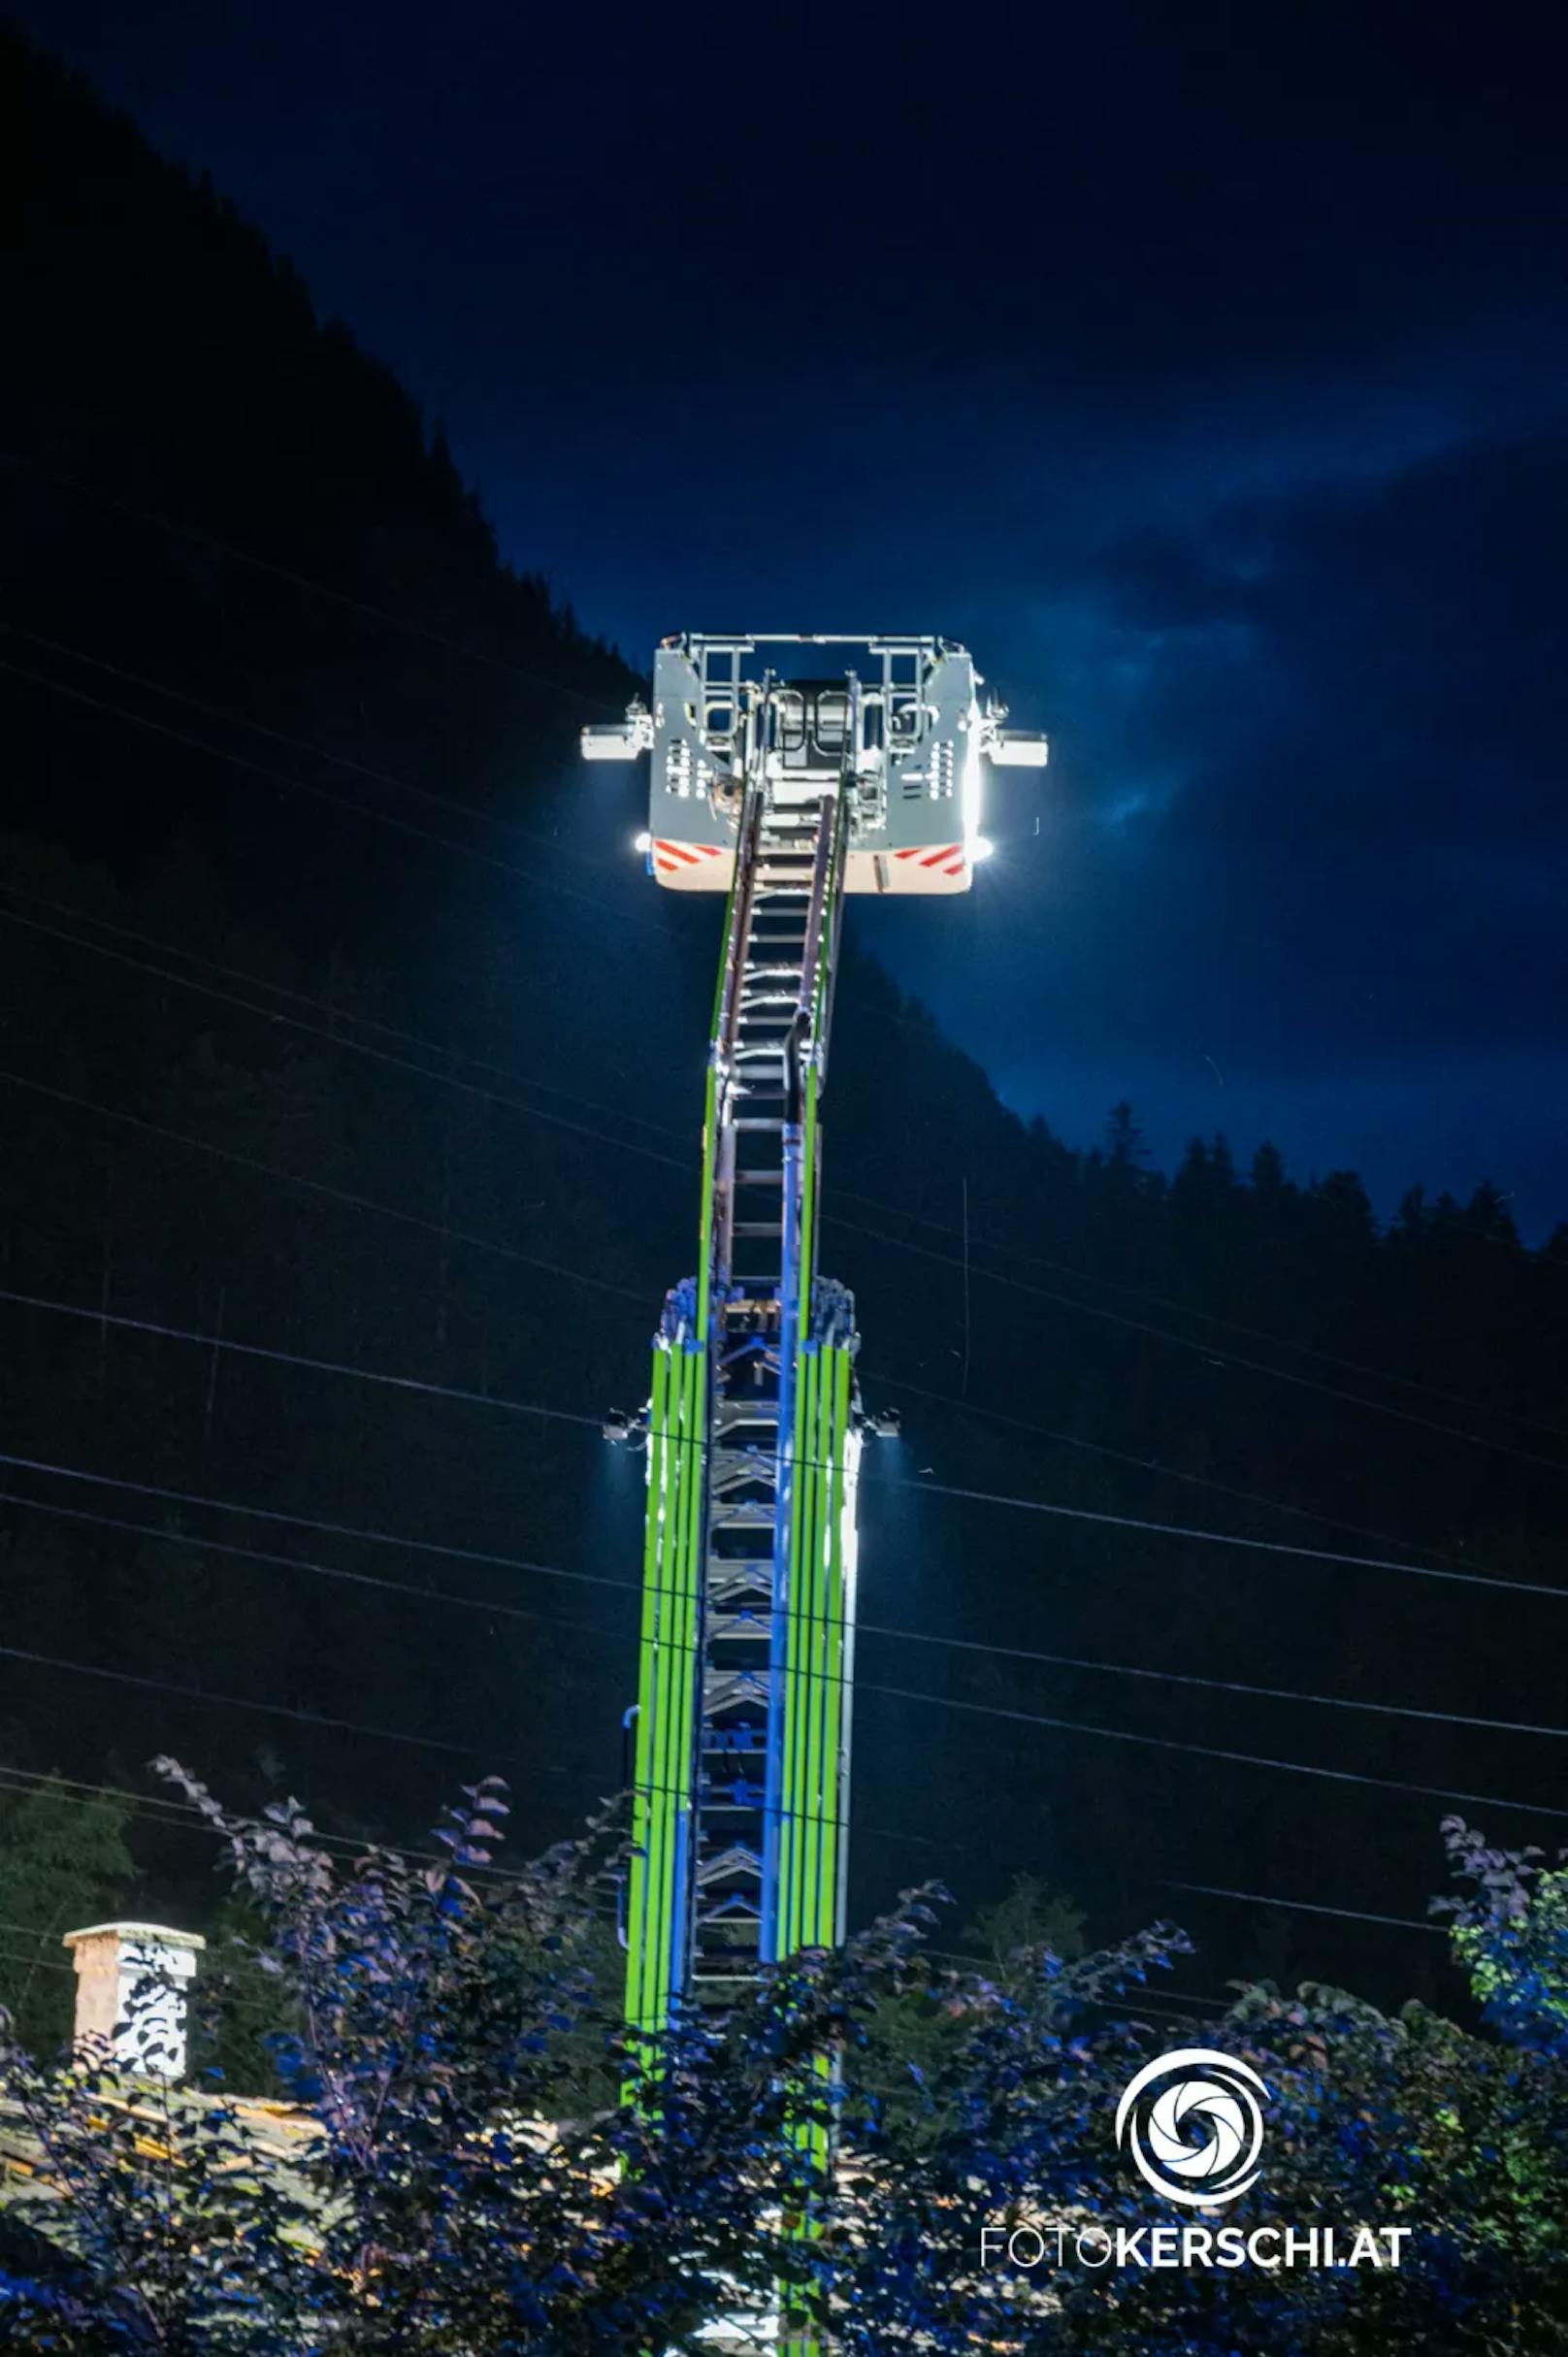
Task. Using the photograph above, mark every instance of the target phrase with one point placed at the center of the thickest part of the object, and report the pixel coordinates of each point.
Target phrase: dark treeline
(338, 1022)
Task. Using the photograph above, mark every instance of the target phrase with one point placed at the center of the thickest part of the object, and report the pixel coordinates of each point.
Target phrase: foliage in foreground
(425, 2198)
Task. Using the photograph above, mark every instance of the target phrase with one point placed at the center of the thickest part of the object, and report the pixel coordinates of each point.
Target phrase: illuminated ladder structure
(787, 789)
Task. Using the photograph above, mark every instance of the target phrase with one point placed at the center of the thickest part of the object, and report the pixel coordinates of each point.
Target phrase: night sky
(1202, 368)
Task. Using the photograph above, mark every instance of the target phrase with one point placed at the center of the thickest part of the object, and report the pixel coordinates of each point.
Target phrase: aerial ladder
(786, 771)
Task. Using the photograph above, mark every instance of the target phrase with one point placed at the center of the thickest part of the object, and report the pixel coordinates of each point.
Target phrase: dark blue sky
(1203, 369)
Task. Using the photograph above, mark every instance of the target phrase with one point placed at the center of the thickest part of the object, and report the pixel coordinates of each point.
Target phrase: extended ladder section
(742, 1723)
(787, 788)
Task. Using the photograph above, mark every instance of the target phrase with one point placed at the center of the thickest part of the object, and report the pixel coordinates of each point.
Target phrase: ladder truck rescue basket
(899, 728)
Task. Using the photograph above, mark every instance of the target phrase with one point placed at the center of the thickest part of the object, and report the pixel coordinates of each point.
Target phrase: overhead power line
(1309, 1907)
(323, 794)
(245, 1702)
(338, 1039)
(294, 744)
(336, 1013)
(530, 877)
(849, 1194)
(1204, 1750)
(992, 1967)
(403, 622)
(1188, 1309)
(1212, 1352)
(1220, 1686)
(186, 1819)
(1088, 1309)
(298, 1358)
(494, 1609)
(303, 1521)
(321, 1186)
(1230, 1538)
(1139, 1464)
(893, 1381)
(1032, 1260)
(34, 1963)
(992, 1497)
(357, 1047)
(316, 589)
(941, 1702)
(456, 1235)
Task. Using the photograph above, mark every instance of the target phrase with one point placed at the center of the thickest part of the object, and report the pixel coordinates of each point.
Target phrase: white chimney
(131, 1995)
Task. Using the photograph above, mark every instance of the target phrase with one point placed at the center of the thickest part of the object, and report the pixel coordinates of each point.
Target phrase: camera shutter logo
(1193, 2124)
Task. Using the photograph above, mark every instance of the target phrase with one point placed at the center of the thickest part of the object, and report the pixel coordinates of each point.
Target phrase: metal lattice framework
(788, 793)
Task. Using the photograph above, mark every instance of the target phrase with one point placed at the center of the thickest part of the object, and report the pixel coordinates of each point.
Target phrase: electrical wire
(1001, 1498)
(849, 1194)
(192, 1819)
(1209, 1350)
(900, 1244)
(321, 1186)
(294, 744)
(1310, 1907)
(301, 1522)
(358, 1047)
(990, 1968)
(242, 1702)
(184, 1816)
(1221, 1685)
(192, 531)
(300, 581)
(1139, 1464)
(494, 1609)
(37, 1964)
(1085, 1308)
(1228, 1538)
(189, 1818)
(490, 1607)
(40, 1783)
(1130, 2006)
(335, 1013)
(892, 1382)
(1186, 1309)
(1204, 1750)
(318, 1366)
(324, 794)
(240, 719)
(862, 1687)
(507, 1251)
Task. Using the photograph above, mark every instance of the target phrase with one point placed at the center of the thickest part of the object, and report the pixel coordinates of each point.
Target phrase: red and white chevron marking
(948, 857)
(670, 857)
